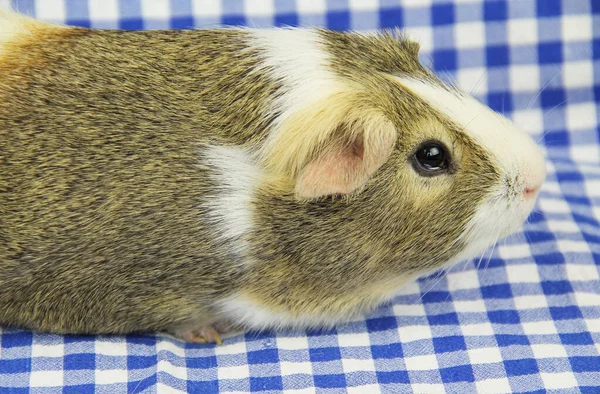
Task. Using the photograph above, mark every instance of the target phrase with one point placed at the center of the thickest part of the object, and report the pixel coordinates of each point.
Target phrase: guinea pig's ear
(333, 147)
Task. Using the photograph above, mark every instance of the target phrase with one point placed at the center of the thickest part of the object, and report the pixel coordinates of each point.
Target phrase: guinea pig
(191, 181)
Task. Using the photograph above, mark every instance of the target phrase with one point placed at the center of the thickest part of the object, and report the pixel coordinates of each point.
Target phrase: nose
(533, 185)
(531, 191)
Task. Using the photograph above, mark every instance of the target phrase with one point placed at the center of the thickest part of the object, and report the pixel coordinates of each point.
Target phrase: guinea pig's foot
(207, 334)
(203, 335)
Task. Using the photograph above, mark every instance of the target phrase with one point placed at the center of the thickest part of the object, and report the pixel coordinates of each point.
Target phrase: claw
(203, 335)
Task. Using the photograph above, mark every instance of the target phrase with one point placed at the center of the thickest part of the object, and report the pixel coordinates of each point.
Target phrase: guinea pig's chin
(495, 219)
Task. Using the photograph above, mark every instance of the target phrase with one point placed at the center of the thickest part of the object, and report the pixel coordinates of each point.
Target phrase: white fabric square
(51, 10)
(414, 333)
(416, 309)
(576, 28)
(234, 372)
(470, 306)
(416, 3)
(110, 376)
(46, 378)
(548, 350)
(552, 205)
(295, 368)
(559, 380)
(522, 31)
(582, 272)
(478, 329)
(530, 121)
(592, 187)
(308, 390)
(499, 385)
(111, 348)
(587, 299)
(524, 78)
(587, 153)
(259, 7)
(531, 302)
(578, 74)
(163, 388)
(368, 388)
(421, 363)
(53, 350)
(593, 325)
(522, 273)
(567, 246)
(291, 343)
(485, 355)
(102, 10)
(364, 5)
(155, 9)
(461, 280)
(551, 186)
(179, 372)
(354, 339)
(235, 391)
(311, 6)
(429, 388)
(473, 80)
(596, 212)
(581, 116)
(469, 35)
(517, 251)
(358, 364)
(206, 8)
(231, 348)
(539, 328)
(562, 226)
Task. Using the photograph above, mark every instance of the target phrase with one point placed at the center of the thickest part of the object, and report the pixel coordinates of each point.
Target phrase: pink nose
(530, 192)
(531, 189)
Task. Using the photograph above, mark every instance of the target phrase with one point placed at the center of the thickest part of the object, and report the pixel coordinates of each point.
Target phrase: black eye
(431, 158)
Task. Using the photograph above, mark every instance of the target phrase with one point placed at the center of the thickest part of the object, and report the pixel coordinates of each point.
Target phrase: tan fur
(104, 184)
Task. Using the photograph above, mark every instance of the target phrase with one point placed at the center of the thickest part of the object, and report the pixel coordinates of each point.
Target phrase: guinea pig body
(284, 178)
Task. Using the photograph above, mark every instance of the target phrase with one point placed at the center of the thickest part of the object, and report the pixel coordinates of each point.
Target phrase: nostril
(531, 191)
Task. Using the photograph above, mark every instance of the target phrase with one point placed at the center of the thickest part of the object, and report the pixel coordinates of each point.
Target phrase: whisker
(474, 117)
(480, 259)
(478, 82)
(492, 251)
(541, 90)
(442, 276)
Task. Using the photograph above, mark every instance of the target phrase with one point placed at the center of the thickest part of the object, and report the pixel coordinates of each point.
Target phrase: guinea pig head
(429, 174)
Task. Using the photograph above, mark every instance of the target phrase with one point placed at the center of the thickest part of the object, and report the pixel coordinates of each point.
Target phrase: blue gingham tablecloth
(523, 318)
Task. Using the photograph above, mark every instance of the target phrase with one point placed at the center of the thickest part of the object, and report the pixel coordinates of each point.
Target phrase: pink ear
(343, 168)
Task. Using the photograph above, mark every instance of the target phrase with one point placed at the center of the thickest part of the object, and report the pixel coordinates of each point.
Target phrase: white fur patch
(296, 58)
(240, 309)
(11, 26)
(230, 209)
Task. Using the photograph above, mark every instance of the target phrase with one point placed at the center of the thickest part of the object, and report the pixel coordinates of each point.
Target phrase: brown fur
(102, 182)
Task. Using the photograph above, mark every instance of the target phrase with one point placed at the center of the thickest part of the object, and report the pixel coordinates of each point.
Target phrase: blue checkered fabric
(524, 318)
